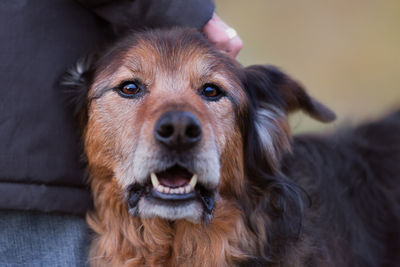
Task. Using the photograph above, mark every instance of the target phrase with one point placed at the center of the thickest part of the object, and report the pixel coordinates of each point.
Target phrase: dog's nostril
(165, 130)
(193, 131)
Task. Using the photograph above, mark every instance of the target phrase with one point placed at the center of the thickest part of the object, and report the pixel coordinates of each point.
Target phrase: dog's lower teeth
(167, 190)
(160, 188)
(180, 190)
(188, 188)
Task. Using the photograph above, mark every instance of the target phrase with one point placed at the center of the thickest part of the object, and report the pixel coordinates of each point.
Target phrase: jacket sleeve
(152, 13)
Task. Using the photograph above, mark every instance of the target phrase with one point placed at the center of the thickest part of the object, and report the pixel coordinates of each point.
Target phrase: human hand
(222, 36)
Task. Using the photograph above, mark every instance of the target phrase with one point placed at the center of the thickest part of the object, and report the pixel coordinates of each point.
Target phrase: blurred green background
(345, 52)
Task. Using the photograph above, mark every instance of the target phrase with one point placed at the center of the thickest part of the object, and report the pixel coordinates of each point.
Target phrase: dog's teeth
(168, 190)
(188, 188)
(193, 181)
(154, 180)
(160, 188)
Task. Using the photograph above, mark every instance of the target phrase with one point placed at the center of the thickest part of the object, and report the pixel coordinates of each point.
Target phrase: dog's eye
(129, 89)
(211, 92)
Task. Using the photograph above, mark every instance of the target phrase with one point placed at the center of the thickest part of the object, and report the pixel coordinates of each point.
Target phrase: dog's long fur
(329, 200)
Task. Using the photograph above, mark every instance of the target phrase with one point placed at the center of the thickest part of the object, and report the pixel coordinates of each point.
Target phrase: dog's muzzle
(178, 134)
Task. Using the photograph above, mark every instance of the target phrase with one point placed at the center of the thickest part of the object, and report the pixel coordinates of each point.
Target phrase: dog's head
(176, 122)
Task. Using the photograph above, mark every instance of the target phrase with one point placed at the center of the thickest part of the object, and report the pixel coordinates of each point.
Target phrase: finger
(223, 37)
(234, 47)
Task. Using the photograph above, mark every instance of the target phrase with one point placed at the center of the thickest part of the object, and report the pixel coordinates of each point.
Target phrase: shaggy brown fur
(264, 179)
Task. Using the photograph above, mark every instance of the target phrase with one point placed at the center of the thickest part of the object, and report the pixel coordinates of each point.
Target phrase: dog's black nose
(178, 130)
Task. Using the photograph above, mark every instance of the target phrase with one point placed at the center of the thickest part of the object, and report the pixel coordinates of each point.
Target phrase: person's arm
(199, 14)
(152, 13)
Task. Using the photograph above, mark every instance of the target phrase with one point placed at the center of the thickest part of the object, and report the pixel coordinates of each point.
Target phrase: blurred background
(345, 52)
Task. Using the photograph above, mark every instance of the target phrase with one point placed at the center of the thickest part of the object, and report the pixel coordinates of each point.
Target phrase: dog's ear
(269, 85)
(272, 95)
(75, 83)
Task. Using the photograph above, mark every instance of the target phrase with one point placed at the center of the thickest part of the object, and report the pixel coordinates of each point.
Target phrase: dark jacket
(40, 39)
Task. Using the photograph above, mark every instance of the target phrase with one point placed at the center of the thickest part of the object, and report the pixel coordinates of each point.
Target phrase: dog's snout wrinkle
(178, 130)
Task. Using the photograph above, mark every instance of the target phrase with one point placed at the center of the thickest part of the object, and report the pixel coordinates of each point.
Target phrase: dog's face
(169, 116)
(164, 111)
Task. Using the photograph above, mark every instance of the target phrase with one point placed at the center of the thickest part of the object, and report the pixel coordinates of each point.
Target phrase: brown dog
(192, 164)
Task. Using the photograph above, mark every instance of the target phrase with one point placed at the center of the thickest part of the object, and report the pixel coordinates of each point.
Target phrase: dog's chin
(172, 194)
(191, 211)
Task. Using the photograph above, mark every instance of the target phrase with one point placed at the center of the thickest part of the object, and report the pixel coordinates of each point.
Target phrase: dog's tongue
(174, 177)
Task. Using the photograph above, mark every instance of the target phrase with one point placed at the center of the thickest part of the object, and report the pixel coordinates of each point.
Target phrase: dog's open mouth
(174, 183)
(173, 187)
